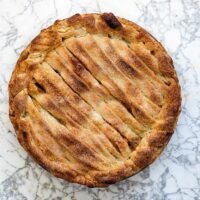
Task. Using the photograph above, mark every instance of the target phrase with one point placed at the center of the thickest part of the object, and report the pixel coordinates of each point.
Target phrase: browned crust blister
(94, 99)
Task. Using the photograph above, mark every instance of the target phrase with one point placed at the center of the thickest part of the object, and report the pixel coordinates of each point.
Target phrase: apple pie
(94, 99)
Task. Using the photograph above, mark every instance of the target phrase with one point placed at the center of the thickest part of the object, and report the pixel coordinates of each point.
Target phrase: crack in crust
(94, 99)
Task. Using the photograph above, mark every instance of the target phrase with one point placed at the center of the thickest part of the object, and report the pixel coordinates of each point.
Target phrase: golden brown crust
(94, 99)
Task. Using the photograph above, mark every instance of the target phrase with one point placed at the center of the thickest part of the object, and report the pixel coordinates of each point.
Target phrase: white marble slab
(176, 174)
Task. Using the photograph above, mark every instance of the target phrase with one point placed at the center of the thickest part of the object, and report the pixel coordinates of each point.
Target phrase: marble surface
(176, 174)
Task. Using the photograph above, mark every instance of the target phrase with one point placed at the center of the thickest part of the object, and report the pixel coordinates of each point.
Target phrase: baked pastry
(94, 99)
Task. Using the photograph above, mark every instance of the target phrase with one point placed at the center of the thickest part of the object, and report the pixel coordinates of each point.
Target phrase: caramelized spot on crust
(89, 21)
(74, 19)
(111, 20)
(157, 141)
(143, 157)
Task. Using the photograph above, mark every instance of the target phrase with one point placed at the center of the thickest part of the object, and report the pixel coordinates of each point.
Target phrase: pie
(94, 99)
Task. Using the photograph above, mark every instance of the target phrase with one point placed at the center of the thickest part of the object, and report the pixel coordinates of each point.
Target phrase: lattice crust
(94, 99)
